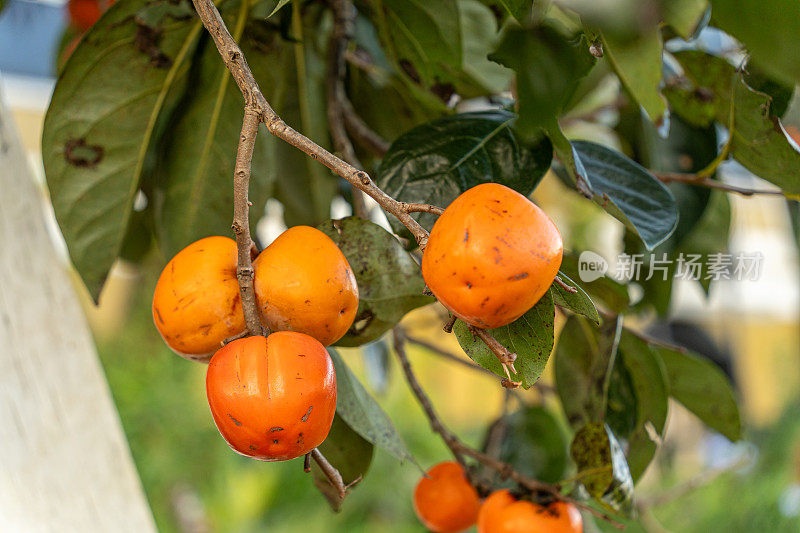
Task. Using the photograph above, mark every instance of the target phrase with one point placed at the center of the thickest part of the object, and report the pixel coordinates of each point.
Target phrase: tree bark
(64, 462)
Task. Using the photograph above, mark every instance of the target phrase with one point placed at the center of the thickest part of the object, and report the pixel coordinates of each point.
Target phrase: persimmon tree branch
(701, 181)
(237, 65)
(330, 472)
(241, 221)
(459, 449)
(256, 102)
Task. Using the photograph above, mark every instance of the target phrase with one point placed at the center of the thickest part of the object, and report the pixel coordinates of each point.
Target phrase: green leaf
(519, 9)
(349, 453)
(769, 30)
(103, 121)
(638, 65)
(389, 281)
(435, 162)
(578, 302)
(604, 289)
(757, 140)
(423, 36)
(758, 80)
(629, 192)
(651, 394)
(478, 76)
(280, 4)
(602, 467)
(196, 159)
(533, 441)
(549, 65)
(363, 414)
(530, 337)
(583, 358)
(684, 16)
(701, 387)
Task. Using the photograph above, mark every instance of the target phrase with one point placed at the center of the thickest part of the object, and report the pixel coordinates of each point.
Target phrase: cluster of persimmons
(490, 257)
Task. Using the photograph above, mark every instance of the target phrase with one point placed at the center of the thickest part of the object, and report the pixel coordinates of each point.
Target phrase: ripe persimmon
(444, 500)
(503, 513)
(491, 255)
(304, 283)
(272, 398)
(196, 304)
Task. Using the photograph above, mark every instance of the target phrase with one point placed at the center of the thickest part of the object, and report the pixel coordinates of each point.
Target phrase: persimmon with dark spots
(304, 283)
(444, 500)
(503, 513)
(196, 304)
(272, 398)
(491, 255)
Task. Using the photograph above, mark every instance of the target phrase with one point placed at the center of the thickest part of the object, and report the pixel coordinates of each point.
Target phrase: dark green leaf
(437, 161)
(138, 237)
(604, 289)
(769, 30)
(389, 280)
(684, 16)
(478, 76)
(363, 414)
(549, 65)
(757, 139)
(602, 467)
(638, 65)
(629, 192)
(196, 160)
(703, 389)
(349, 453)
(423, 36)
(577, 302)
(583, 356)
(519, 9)
(534, 442)
(781, 93)
(103, 120)
(649, 384)
(530, 337)
(279, 5)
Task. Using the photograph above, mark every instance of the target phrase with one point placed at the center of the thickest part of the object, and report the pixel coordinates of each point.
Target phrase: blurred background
(194, 483)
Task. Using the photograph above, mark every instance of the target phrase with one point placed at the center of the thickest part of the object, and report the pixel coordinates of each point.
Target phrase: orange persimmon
(491, 255)
(444, 500)
(503, 513)
(196, 304)
(304, 283)
(272, 398)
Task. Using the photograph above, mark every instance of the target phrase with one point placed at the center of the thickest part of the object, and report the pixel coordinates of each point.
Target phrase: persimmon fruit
(303, 283)
(272, 398)
(196, 304)
(503, 513)
(444, 500)
(84, 13)
(491, 255)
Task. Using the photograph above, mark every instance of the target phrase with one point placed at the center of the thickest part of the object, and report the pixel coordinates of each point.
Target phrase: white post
(64, 462)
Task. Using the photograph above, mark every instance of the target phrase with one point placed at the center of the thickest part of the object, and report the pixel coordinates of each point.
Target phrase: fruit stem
(330, 472)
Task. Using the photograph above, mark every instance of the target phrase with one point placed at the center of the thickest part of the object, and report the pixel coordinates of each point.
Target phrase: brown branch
(569, 288)
(694, 179)
(343, 15)
(361, 132)
(254, 98)
(448, 326)
(421, 208)
(330, 472)
(447, 355)
(505, 357)
(256, 104)
(459, 449)
(241, 221)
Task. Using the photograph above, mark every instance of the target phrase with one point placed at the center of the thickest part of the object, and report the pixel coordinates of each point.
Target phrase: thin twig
(694, 179)
(343, 15)
(459, 449)
(241, 220)
(421, 208)
(505, 357)
(568, 288)
(254, 98)
(361, 132)
(330, 472)
(447, 355)
(448, 326)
